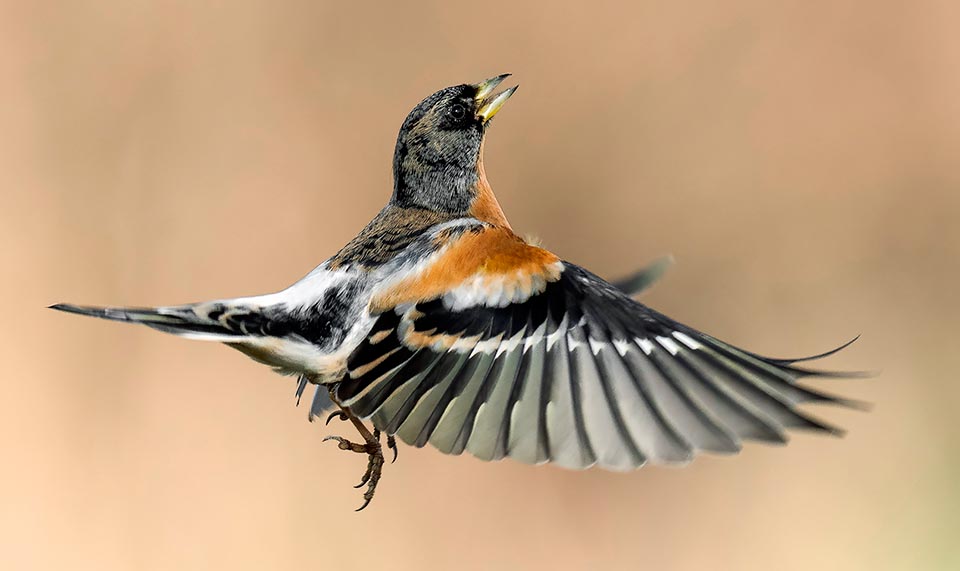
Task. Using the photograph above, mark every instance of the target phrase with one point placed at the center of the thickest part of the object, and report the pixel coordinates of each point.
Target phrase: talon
(392, 445)
(366, 476)
(376, 465)
(337, 413)
(342, 443)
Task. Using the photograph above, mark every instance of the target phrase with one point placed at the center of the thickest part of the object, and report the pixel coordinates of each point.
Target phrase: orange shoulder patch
(494, 262)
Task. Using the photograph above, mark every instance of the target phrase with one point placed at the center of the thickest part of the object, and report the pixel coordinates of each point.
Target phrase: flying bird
(438, 324)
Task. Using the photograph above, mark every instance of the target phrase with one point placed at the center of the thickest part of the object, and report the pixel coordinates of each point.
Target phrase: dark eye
(458, 111)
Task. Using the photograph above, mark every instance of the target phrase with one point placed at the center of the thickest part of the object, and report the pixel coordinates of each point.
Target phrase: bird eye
(458, 111)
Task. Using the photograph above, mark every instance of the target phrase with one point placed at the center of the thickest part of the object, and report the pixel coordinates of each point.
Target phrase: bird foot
(374, 452)
(371, 447)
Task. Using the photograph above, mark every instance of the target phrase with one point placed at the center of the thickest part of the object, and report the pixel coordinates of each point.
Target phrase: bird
(438, 324)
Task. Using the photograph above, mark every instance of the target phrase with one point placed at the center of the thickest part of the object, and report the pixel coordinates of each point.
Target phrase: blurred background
(798, 158)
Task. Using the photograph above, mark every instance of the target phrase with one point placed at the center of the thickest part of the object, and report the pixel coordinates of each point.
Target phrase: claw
(342, 443)
(375, 466)
(337, 413)
(366, 475)
(392, 445)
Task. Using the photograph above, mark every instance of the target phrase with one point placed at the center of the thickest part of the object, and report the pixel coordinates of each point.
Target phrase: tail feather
(182, 320)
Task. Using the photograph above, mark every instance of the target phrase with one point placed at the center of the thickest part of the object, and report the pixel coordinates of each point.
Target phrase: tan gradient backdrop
(798, 158)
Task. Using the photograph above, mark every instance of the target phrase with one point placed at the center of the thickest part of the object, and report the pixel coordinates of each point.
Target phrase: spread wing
(499, 349)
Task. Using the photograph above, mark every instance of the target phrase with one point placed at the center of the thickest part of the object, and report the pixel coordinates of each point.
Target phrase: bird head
(437, 164)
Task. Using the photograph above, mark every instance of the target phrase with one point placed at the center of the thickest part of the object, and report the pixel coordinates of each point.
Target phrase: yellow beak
(488, 106)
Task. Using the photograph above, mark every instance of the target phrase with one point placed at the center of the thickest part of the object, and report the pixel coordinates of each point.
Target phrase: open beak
(487, 103)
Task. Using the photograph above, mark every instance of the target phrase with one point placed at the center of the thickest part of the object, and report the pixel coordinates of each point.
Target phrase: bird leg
(371, 447)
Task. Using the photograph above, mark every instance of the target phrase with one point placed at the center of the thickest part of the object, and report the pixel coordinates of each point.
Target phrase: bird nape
(438, 324)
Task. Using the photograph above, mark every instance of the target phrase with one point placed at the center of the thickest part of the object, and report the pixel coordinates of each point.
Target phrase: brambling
(438, 324)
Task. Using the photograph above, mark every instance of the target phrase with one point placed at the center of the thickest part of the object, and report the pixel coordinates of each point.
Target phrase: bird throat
(484, 205)
(445, 188)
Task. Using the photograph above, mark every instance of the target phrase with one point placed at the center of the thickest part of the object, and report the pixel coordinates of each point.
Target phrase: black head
(437, 160)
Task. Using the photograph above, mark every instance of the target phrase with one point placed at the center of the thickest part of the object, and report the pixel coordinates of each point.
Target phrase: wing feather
(737, 412)
(606, 428)
(554, 365)
(488, 419)
(524, 436)
(422, 420)
(566, 430)
(453, 428)
(696, 423)
(673, 444)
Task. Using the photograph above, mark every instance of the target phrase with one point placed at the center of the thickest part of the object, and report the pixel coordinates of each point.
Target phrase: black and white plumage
(443, 327)
(579, 374)
(574, 371)
(632, 285)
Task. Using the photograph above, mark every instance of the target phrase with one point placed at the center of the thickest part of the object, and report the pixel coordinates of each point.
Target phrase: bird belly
(296, 356)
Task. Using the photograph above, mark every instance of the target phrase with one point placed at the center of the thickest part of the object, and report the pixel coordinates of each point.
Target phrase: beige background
(798, 158)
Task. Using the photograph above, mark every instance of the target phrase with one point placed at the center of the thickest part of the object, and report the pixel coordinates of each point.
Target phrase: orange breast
(494, 256)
